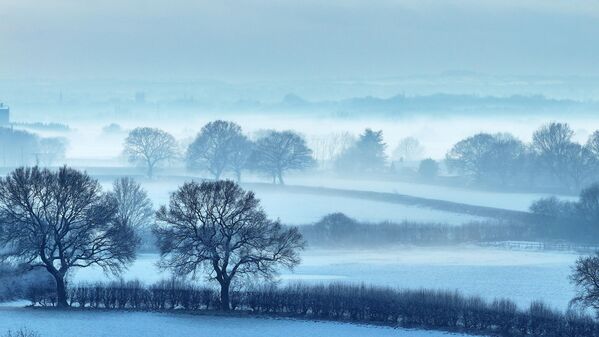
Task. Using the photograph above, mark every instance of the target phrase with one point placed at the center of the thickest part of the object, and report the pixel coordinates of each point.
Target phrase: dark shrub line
(339, 230)
(425, 309)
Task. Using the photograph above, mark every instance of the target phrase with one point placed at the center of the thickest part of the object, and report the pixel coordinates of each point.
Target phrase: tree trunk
(150, 171)
(280, 174)
(61, 291)
(225, 303)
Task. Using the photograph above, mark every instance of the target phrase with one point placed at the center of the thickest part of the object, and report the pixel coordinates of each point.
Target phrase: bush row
(426, 309)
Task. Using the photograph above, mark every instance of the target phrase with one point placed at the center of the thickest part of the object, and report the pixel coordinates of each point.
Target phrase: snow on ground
(297, 209)
(521, 276)
(50, 323)
(511, 201)
(300, 209)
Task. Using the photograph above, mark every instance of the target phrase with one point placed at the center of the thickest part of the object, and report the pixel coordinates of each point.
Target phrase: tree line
(221, 147)
(339, 230)
(552, 159)
(424, 309)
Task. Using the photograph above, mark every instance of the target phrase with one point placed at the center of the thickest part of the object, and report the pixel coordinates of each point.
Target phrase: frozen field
(518, 275)
(125, 324)
(512, 201)
(299, 209)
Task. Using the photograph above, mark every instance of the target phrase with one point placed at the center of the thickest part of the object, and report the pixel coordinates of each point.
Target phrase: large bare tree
(150, 147)
(218, 228)
(585, 277)
(60, 220)
(281, 151)
(213, 148)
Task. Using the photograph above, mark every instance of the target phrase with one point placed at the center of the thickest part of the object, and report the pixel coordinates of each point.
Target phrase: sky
(238, 40)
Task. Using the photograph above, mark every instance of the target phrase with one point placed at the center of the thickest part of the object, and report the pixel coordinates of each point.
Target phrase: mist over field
(299, 168)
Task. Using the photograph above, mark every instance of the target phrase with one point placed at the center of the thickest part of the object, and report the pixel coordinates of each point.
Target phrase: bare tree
(585, 276)
(328, 147)
(134, 207)
(408, 149)
(552, 143)
(150, 147)
(51, 150)
(213, 147)
(487, 157)
(219, 228)
(278, 152)
(59, 221)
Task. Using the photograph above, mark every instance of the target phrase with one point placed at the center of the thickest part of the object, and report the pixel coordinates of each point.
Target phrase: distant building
(4, 115)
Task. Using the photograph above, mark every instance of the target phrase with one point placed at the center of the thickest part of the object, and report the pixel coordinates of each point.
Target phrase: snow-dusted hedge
(427, 309)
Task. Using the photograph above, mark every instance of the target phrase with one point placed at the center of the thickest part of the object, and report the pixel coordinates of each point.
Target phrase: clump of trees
(61, 220)
(365, 156)
(219, 229)
(150, 147)
(571, 219)
(551, 160)
(18, 148)
(221, 146)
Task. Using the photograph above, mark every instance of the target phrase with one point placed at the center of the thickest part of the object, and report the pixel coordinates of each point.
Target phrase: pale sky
(303, 39)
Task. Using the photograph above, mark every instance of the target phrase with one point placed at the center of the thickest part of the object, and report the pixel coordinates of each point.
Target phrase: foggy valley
(262, 168)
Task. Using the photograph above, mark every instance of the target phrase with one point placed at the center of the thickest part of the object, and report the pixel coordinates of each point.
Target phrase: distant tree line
(423, 309)
(221, 147)
(551, 160)
(19, 147)
(338, 230)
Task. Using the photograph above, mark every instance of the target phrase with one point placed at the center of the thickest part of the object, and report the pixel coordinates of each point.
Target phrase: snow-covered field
(511, 201)
(518, 275)
(123, 324)
(300, 209)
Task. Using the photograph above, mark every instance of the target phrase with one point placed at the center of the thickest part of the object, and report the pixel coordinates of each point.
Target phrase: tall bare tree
(51, 150)
(150, 147)
(585, 277)
(278, 152)
(134, 207)
(218, 228)
(59, 221)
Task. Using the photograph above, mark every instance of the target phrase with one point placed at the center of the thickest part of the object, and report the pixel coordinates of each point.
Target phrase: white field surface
(301, 209)
(521, 276)
(51, 323)
(505, 200)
